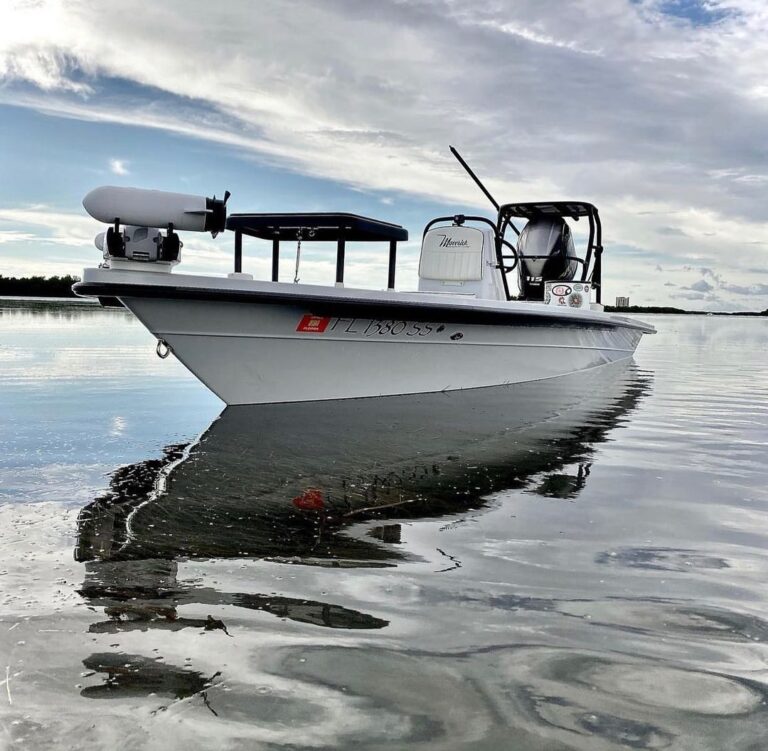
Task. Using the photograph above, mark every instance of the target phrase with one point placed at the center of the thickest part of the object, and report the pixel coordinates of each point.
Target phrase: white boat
(255, 342)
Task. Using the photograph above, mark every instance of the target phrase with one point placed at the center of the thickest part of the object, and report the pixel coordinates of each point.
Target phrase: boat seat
(452, 254)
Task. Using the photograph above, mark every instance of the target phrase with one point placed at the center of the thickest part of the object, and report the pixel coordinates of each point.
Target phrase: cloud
(752, 289)
(701, 286)
(344, 105)
(14, 236)
(118, 167)
(720, 285)
(692, 296)
(50, 225)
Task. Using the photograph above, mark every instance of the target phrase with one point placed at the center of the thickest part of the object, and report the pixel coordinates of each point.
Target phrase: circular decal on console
(575, 300)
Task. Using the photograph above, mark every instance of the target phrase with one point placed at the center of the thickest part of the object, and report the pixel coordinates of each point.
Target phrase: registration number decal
(367, 327)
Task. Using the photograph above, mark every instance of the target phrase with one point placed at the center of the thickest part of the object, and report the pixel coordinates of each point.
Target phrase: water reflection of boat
(141, 594)
(286, 481)
(322, 484)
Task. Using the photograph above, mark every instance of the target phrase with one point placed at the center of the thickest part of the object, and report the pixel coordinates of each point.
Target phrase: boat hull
(254, 342)
(257, 353)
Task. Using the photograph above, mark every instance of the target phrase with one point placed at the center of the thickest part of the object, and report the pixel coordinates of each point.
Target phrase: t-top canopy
(568, 209)
(316, 227)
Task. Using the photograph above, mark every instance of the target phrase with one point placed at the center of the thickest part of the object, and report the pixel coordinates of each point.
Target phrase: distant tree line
(642, 309)
(679, 311)
(37, 286)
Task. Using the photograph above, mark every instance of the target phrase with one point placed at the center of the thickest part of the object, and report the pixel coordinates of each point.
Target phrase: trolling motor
(140, 244)
(137, 217)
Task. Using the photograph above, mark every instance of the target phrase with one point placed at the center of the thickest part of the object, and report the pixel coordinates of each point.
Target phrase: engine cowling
(547, 254)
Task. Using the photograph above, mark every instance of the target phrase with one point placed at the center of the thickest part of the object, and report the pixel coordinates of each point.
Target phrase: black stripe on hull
(323, 306)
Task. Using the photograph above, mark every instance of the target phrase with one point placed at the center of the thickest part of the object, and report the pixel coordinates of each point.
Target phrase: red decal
(313, 324)
(310, 500)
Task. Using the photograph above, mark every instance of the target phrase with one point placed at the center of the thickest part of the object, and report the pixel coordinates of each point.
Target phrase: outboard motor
(547, 254)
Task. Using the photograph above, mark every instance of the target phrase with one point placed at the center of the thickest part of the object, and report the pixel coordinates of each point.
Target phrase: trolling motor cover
(547, 254)
(157, 208)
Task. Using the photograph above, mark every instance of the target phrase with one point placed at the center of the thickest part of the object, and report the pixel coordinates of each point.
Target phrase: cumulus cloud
(646, 108)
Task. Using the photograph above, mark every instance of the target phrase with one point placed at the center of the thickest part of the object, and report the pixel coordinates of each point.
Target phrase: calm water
(573, 565)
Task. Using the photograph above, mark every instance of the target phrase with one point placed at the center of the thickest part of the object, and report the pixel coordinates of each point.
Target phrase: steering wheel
(514, 254)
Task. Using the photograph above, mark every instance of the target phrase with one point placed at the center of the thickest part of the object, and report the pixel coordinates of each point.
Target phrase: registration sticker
(368, 328)
(313, 324)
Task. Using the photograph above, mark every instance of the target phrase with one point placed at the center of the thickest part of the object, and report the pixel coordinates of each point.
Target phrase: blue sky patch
(697, 12)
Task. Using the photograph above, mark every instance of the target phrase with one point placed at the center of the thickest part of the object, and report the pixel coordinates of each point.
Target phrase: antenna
(508, 220)
(474, 177)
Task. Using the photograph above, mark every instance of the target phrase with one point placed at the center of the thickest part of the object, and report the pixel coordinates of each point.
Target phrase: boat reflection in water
(323, 484)
(286, 481)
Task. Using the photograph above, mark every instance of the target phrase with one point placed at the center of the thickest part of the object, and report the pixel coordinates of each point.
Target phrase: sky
(654, 110)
